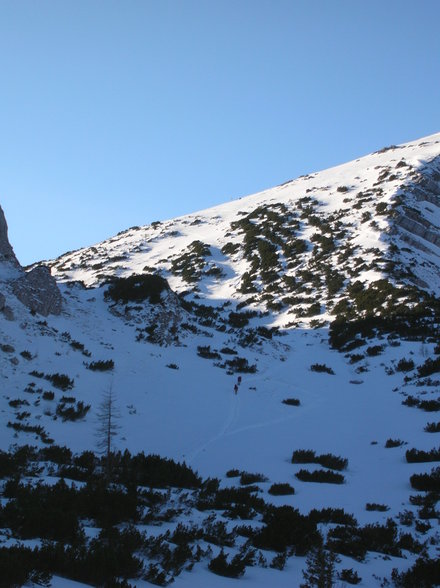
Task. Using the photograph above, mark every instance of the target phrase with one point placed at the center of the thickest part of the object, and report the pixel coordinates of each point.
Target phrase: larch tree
(107, 427)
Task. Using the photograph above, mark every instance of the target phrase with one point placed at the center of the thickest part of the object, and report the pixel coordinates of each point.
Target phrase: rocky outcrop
(38, 291)
(425, 187)
(6, 252)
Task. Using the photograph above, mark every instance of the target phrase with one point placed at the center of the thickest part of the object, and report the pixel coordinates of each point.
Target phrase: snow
(191, 413)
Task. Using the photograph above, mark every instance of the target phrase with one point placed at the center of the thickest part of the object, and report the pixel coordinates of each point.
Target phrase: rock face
(6, 251)
(36, 289)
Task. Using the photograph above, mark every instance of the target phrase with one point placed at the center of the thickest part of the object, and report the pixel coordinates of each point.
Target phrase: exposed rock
(38, 291)
(6, 251)
(417, 225)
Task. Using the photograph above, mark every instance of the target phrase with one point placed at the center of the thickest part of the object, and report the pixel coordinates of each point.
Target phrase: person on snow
(235, 388)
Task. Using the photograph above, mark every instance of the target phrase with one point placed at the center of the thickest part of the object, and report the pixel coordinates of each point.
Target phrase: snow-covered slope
(389, 197)
(255, 284)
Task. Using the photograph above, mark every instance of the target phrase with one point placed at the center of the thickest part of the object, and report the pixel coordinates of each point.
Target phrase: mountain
(285, 339)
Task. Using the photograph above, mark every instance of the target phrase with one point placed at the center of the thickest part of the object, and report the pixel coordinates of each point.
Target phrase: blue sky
(119, 113)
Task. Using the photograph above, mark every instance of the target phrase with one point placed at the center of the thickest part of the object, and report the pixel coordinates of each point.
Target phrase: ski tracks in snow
(234, 411)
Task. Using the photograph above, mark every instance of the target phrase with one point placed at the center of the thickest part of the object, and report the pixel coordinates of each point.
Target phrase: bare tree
(107, 426)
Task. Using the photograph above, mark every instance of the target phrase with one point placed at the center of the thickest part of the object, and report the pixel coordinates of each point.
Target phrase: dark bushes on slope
(425, 573)
(327, 460)
(61, 381)
(432, 405)
(427, 482)
(420, 456)
(321, 367)
(320, 476)
(404, 365)
(137, 288)
(101, 365)
(240, 365)
(432, 428)
(356, 541)
(281, 489)
(249, 478)
(431, 366)
(220, 565)
(286, 528)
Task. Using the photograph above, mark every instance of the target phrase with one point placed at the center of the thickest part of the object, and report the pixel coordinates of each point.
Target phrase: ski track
(234, 412)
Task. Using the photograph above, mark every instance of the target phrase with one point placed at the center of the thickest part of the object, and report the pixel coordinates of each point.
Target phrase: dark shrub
(320, 476)
(429, 405)
(327, 460)
(411, 401)
(57, 454)
(374, 350)
(241, 365)
(321, 367)
(220, 565)
(350, 576)
(282, 489)
(206, 352)
(101, 365)
(427, 482)
(425, 573)
(137, 288)
(432, 428)
(303, 456)
(61, 381)
(347, 540)
(390, 443)
(238, 319)
(405, 365)
(228, 351)
(355, 542)
(48, 395)
(71, 412)
(234, 473)
(373, 506)
(431, 366)
(336, 516)
(291, 401)
(20, 566)
(286, 528)
(154, 471)
(248, 478)
(420, 456)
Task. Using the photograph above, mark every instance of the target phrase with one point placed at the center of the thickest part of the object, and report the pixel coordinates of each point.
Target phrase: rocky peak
(6, 251)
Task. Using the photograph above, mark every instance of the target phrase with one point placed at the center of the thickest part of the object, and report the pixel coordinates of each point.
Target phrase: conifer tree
(320, 571)
(107, 427)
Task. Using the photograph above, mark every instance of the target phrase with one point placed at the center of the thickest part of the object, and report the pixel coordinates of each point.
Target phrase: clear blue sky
(119, 113)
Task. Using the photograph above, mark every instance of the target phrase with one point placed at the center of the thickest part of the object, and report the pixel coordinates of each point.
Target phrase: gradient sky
(119, 113)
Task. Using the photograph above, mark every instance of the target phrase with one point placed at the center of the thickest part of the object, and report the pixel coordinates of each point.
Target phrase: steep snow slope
(258, 279)
(363, 206)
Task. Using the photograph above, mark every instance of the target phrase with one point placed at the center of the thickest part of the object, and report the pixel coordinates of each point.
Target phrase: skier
(235, 388)
(239, 380)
